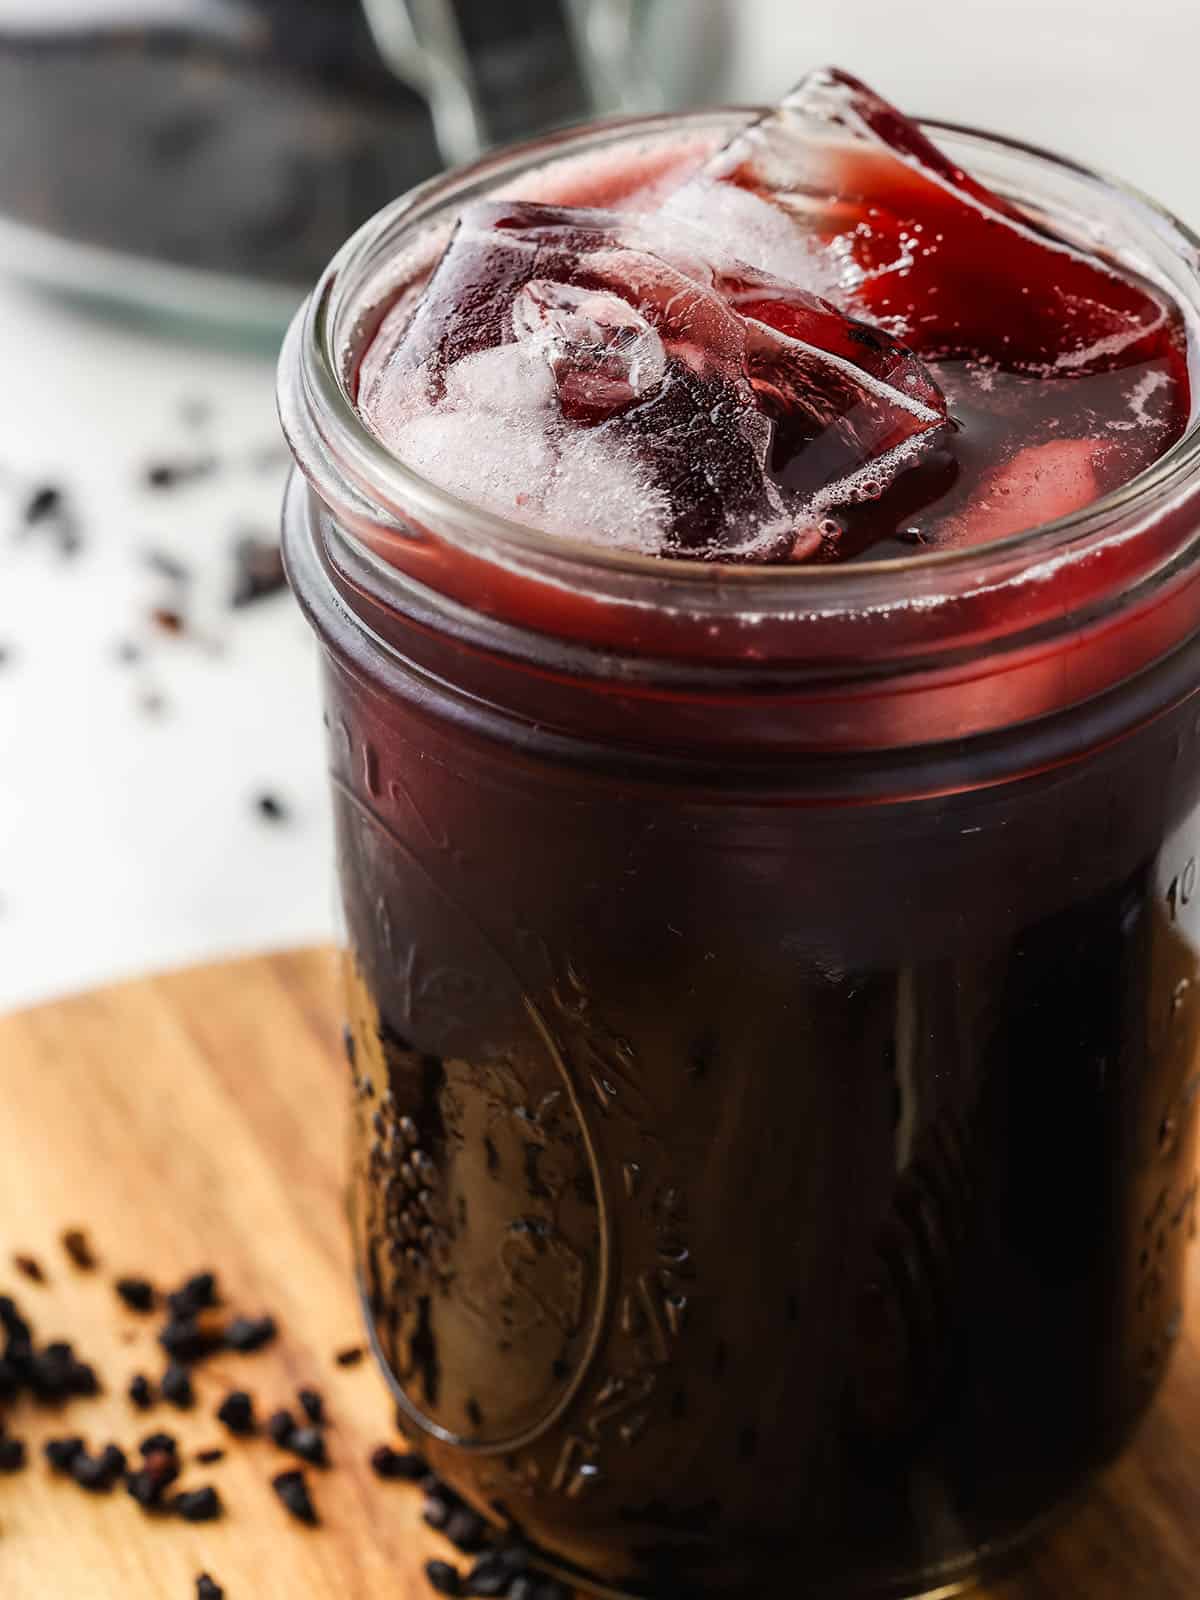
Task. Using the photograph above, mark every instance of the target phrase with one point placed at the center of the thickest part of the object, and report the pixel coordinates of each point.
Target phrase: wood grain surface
(197, 1120)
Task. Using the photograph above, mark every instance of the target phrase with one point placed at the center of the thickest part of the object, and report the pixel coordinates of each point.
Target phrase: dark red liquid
(1025, 450)
(1052, 375)
(752, 1189)
(774, 1129)
(994, 312)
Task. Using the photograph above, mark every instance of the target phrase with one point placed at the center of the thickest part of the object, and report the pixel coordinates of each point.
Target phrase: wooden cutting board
(196, 1120)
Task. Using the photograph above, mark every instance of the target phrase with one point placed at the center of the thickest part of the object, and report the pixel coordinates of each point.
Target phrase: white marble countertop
(129, 838)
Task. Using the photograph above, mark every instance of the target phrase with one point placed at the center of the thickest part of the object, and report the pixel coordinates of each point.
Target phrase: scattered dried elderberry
(271, 808)
(60, 1453)
(44, 501)
(309, 1445)
(258, 571)
(292, 1489)
(314, 1406)
(396, 1465)
(186, 1339)
(158, 1471)
(437, 1509)
(198, 1505)
(515, 1558)
(141, 1391)
(281, 1425)
(490, 1575)
(98, 1473)
(16, 1329)
(184, 469)
(195, 1294)
(176, 1386)
(250, 1333)
(236, 1411)
(529, 1587)
(159, 1444)
(443, 1577)
(466, 1530)
(78, 1248)
(47, 511)
(137, 1293)
(83, 1378)
(55, 1374)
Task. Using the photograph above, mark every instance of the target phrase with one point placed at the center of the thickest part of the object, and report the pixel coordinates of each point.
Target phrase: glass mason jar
(772, 992)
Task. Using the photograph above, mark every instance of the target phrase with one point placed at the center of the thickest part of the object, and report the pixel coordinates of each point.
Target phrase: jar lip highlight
(324, 411)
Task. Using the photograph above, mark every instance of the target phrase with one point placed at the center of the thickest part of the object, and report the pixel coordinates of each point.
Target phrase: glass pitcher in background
(206, 157)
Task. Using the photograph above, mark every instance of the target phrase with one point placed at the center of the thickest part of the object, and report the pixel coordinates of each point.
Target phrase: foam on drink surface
(820, 342)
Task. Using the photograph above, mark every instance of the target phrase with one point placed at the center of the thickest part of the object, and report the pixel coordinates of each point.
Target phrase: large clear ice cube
(612, 377)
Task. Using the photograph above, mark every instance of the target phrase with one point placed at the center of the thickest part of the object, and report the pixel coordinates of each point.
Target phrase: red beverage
(761, 691)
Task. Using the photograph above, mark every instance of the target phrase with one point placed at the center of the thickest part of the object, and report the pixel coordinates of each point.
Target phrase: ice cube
(600, 493)
(602, 353)
(477, 454)
(616, 383)
(838, 190)
(507, 378)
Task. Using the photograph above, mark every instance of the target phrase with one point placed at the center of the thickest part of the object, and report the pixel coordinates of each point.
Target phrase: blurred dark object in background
(245, 139)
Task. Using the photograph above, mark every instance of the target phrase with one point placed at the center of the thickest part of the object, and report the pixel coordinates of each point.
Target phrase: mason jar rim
(697, 586)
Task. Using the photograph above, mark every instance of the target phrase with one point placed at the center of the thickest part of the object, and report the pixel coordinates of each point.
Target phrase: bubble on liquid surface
(607, 376)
